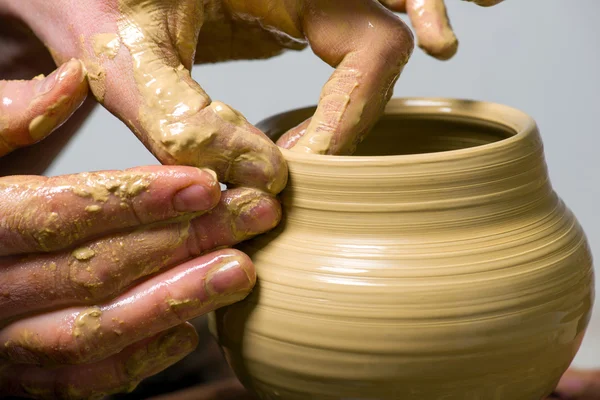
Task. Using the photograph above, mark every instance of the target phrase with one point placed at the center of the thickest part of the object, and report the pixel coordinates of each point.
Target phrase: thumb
(31, 110)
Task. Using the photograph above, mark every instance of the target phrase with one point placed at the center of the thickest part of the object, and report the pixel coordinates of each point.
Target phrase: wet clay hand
(431, 24)
(138, 54)
(100, 271)
(32, 109)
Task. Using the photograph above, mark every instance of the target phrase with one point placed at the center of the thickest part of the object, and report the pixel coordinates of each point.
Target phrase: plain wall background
(542, 56)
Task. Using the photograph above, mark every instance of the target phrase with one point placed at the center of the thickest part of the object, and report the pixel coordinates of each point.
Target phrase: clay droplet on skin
(83, 253)
(100, 186)
(178, 304)
(93, 208)
(107, 44)
(87, 322)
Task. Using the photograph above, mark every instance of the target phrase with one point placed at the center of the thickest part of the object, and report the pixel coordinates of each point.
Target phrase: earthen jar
(437, 263)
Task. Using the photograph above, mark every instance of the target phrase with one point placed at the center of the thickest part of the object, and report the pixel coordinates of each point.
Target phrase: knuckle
(401, 40)
(88, 282)
(82, 343)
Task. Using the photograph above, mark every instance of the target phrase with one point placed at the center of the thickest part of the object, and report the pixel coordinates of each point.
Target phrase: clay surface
(437, 263)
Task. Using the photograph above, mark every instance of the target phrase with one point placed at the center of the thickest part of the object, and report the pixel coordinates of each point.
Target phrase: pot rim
(518, 122)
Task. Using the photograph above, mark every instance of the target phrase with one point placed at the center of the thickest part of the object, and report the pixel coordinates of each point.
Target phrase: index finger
(40, 214)
(369, 46)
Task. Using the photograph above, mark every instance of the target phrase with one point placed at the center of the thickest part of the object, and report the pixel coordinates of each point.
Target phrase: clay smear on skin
(101, 186)
(169, 100)
(95, 72)
(87, 324)
(318, 137)
(173, 106)
(42, 125)
(106, 45)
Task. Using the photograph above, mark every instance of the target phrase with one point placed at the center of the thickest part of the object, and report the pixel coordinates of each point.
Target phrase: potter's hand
(139, 52)
(32, 109)
(431, 24)
(100, 271)
(578, 385)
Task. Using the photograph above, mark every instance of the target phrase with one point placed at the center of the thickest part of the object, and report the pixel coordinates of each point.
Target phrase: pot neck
(500, 178)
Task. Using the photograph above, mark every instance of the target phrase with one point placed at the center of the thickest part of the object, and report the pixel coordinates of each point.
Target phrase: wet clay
(106, 45)
(100, 186)
(169, 92)
(437, 262)
(87, 324)
(176, 118)
(55, 114)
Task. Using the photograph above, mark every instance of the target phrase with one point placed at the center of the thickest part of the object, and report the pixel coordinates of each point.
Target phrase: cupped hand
(138, 54)
(100, 271)
(432, 25)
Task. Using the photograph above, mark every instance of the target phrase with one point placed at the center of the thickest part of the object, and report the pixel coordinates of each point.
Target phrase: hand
(33, 108)
(578, 385)
(431, 24)
(100, 271)
(138, 54)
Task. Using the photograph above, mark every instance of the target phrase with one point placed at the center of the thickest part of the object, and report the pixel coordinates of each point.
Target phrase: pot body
(437, 264)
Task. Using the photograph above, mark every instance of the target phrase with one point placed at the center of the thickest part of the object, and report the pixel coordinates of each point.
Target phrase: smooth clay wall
(541, 56)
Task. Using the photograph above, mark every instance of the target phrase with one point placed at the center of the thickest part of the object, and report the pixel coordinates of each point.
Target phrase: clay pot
(435, 264)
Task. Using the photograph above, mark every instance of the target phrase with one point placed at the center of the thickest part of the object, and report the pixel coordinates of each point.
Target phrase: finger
(369, 46)
(119, 373)
(31, 110)
(140, 73)
(579, 385)
(101, 269)
(184, 126)
(395, 5)
(224, 390)
(48, 214)
(430, 20)
(83, 335)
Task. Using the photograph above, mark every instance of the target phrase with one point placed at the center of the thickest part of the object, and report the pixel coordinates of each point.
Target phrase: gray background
(540, 56)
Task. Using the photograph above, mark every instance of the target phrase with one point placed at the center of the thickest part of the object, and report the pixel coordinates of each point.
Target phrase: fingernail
(194, 198)
(47, 84)
(229, 279)
(570, 387)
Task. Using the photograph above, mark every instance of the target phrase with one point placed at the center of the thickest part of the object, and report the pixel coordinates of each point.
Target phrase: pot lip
(481, 111)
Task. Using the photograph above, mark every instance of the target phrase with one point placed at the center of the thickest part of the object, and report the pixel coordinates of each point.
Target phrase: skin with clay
(94, 35)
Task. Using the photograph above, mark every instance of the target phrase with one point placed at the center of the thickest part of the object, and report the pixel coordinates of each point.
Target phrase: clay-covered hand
(138, 54)
(99, 273)
(578, 385)
(32, 109)
(431, 24)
